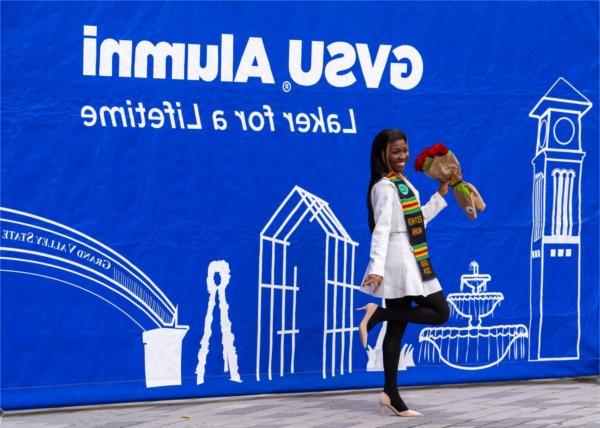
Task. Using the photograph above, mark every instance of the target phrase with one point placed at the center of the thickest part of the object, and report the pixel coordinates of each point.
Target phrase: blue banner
(183, 193)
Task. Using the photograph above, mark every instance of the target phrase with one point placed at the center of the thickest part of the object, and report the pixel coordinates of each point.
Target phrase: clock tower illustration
(555, 256)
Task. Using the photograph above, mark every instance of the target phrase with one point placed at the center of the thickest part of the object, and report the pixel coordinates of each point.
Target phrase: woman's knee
(438, 303)
(444, 312)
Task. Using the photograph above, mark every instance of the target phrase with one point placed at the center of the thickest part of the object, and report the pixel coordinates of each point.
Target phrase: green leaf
(463, 189)
(427, 163)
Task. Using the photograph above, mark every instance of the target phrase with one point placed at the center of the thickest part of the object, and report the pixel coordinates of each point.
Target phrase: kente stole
(415, 224)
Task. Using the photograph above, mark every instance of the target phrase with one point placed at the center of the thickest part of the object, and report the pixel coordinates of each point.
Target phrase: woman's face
(397, 155)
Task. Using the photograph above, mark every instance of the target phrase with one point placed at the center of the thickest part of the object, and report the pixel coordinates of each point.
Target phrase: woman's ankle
(395, 399)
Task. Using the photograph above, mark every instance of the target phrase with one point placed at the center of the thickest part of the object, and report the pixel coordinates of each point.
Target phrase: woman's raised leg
(432, 309)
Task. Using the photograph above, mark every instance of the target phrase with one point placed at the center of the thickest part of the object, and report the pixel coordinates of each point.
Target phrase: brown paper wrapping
(446, 168)
(471, 204)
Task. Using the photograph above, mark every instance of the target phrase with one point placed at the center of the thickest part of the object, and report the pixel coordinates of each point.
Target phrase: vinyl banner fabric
(183, 194)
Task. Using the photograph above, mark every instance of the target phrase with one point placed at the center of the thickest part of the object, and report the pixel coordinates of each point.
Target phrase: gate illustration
(339, 287)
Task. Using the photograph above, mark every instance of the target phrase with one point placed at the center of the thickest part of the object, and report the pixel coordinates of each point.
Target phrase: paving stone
(582, 411)
(557, 402)
(485, 412)
(591, 420)
(506, 423)
(557, 411)
(122, 423)
(507, 415)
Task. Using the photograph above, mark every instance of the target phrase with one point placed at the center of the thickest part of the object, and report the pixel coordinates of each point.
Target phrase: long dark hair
(379, 164)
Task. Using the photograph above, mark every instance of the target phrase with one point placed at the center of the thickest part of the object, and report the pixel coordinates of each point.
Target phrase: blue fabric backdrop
(109, 233)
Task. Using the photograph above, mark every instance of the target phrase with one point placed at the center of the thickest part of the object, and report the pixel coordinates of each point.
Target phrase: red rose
(440, 149)
(420, 160)
(418, 164)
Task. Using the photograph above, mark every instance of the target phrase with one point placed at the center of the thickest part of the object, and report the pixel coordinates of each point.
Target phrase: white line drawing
(406, 357)
(555, 256)
(39, 247)
(297, 206)
(375, 355)
(230, 359)
(474, 347)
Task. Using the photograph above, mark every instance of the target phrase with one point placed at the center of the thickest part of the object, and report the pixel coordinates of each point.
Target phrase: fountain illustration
(375, 356)
(475, 346)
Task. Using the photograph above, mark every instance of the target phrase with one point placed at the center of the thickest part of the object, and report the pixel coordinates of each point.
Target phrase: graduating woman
(399, 269)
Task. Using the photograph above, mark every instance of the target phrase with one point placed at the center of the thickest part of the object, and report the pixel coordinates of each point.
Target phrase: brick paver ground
(540, 403)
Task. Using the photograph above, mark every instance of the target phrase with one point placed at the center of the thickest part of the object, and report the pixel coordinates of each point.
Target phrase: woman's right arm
(382, 199)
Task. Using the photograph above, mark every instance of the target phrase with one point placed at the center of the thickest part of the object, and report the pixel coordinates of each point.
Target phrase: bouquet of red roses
(440, 164)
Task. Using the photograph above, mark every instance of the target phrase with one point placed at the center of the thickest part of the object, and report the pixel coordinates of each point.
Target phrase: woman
(399, 269)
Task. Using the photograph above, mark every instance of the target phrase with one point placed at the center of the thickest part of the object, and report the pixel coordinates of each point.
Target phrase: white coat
(391, 255)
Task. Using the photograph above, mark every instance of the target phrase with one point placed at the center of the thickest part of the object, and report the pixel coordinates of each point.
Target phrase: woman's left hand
(443, 189)
(373, 280)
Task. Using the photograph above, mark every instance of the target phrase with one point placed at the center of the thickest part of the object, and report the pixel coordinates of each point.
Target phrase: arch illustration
(39, 247)
(298, 206)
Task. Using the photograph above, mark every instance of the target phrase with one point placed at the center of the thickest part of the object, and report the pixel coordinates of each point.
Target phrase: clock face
(564, 130)
(543, 132)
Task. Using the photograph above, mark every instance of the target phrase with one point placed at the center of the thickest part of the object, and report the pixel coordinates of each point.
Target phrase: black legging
(431, 309)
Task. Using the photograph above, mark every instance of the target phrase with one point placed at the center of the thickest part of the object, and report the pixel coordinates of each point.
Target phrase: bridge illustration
(39, 247)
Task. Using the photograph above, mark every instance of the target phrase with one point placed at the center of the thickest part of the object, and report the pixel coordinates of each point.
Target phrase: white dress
(391, 255)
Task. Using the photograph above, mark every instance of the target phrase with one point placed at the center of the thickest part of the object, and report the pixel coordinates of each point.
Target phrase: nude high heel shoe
(384, 400)
(369, 309)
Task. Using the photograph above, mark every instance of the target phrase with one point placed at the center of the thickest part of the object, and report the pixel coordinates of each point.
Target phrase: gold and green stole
(415, 224)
